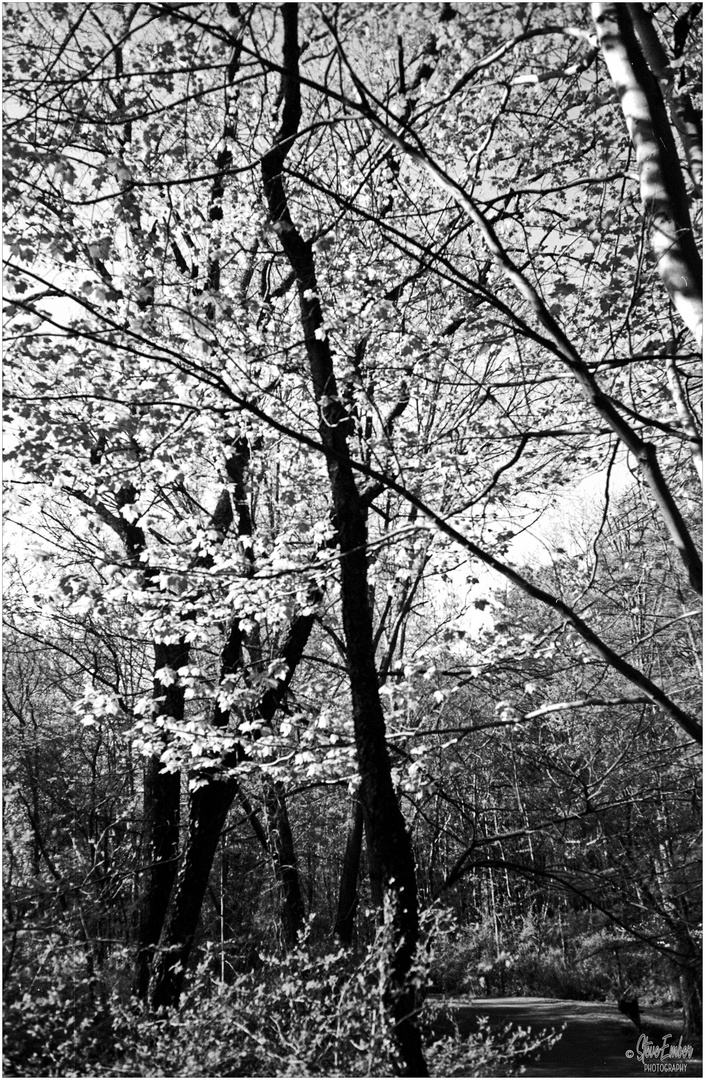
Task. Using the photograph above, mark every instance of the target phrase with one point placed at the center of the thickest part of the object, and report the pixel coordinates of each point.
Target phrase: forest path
(597, 1040)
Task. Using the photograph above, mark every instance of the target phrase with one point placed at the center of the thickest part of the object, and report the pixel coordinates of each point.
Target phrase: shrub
(58, 1023)
(298, 1015)
(487, 1051)
(534, 959)
(308, 1017)
(458, 957)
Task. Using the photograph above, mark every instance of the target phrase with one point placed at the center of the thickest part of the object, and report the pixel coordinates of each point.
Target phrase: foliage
(58, 1016)
(286, 350)
(488, 1051)
(571, 957)
(309, 1013)
(527, 963)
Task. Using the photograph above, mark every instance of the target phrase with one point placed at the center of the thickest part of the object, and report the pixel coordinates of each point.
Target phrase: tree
(70, 789)
(261, 444)
(663, 190)
(581, 806)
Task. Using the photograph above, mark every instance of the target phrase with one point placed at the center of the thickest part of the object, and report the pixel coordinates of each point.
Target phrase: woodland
(352, 645)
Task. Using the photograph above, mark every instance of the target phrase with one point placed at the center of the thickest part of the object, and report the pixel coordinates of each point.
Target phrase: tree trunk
(160, 835)
(348, 894)
(208, 808)
(680, 105)
(161, 791)
(386, 831)
(663, 191)
(691, 989)
(690, 984)
(281, 846)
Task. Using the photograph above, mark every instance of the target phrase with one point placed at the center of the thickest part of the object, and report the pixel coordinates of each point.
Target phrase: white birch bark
(661, 181)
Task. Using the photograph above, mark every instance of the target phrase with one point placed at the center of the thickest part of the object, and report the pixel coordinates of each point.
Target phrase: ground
(597, 1040)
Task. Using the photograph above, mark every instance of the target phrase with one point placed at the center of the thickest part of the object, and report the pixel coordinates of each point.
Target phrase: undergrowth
(303, 1014)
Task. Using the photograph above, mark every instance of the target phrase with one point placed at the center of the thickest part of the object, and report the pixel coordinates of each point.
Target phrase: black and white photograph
(352, 532)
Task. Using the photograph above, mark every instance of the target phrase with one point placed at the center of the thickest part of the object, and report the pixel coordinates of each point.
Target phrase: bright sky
(559, 525)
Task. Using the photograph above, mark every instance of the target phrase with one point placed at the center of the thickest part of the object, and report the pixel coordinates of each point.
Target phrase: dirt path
(597, 1041)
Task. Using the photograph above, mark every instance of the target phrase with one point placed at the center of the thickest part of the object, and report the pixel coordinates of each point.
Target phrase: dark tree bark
(281, 845)
(159, 849)
(690, 983)
(161, 821)
(348, 894)
(208, 809)
(388, 839)
(161, 799)
(162, 791)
